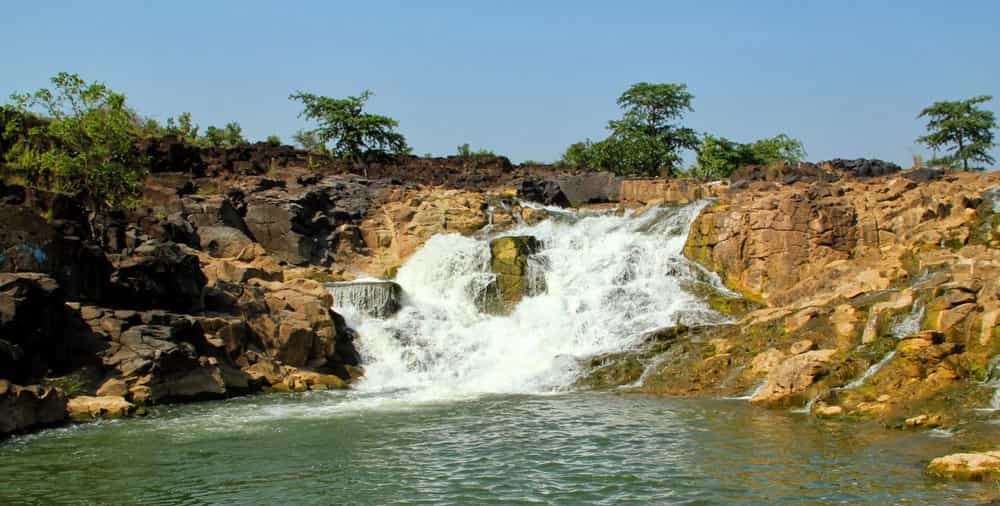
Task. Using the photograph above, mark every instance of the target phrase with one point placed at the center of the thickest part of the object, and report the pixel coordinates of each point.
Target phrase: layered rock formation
(881, 297)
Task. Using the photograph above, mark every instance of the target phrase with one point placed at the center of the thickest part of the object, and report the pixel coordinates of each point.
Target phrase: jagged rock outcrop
(863, 167)
(159, 275)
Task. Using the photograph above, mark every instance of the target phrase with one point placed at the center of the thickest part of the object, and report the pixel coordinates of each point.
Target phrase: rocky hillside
(896, 275)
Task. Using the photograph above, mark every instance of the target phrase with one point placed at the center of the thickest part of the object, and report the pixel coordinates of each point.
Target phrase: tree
(356, 135)
(85, 143)
(273, 140)
(962, 127)
(183, 127)
(229, 136)
(718, 157)
(309, 142)
(646, 140)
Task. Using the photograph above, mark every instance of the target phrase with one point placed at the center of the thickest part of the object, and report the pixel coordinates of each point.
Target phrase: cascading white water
(608, 279)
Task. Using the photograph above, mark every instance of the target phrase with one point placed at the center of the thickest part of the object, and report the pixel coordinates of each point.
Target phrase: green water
(355, 448)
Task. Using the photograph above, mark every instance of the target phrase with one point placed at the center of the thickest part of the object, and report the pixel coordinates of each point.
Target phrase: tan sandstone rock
(84, 408)
(967, 466)
(793, 377)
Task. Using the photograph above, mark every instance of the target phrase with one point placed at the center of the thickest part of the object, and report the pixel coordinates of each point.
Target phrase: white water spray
(608, 279)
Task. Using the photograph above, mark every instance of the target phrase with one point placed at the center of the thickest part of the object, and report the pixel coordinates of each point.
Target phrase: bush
(718, 157)
(273, 140)
(85, 143)
(464, 151)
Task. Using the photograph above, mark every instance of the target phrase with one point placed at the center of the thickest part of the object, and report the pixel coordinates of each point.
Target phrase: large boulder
(546, 192)
(514, 278)
(982, 466)
(83, 408)
(590, 188)
(29, 407)
(791, 379)
(157, 356)
(159, 275)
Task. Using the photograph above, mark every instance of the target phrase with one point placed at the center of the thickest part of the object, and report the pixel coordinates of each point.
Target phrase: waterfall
(905, 326)
(370, 297)
(874, 368)
(607, 280)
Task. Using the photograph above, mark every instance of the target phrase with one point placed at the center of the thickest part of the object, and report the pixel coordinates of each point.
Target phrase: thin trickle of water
(807, 409)
(993, 381)
(908, 325)
(608, 279)
(754, 390)
(874, 368)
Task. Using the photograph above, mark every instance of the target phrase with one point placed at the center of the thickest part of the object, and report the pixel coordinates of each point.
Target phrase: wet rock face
(514, 278)
(377, 298)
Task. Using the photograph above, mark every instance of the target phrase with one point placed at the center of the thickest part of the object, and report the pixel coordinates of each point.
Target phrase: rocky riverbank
(863, 291)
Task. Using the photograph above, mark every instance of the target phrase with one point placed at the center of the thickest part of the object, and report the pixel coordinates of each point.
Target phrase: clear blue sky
(527, 78)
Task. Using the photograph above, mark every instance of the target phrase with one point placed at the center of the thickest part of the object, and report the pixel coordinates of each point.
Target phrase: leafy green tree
(356, 135)
(718, 157)
(183, 127)
(229, 136)
(84, 145)
(962, 127)
(273, 140)
(646, 140)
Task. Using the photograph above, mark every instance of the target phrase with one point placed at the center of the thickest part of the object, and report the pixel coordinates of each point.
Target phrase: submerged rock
(375, 298)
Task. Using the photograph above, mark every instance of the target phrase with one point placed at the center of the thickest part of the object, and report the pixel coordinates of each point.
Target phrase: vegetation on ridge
(84, 144)
(961, 127)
